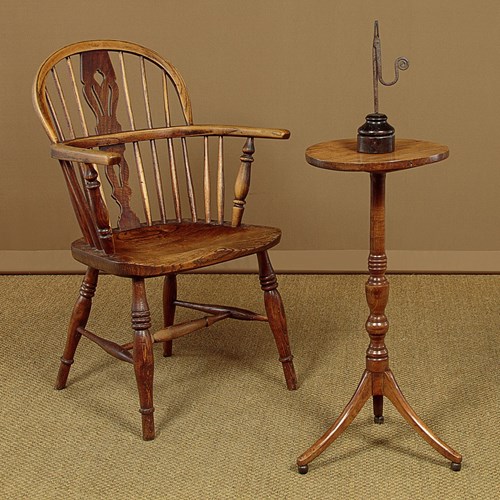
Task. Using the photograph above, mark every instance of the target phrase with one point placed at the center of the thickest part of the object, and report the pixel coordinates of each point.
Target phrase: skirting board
(285, 261)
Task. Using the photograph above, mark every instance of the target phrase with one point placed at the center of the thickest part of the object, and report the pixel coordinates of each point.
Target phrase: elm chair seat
(171, 248)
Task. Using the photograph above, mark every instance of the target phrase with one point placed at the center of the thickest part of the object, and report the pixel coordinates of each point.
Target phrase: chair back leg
(276, 317)
(79, 318)
(143, 356)
(169, 296)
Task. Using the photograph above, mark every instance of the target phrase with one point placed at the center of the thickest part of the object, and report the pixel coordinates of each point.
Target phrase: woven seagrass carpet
(227, 428)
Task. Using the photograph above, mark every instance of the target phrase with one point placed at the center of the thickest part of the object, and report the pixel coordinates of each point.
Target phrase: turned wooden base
(366, 389)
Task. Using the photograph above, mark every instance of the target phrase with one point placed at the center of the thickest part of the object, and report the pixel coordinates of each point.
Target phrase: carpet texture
(227, 428)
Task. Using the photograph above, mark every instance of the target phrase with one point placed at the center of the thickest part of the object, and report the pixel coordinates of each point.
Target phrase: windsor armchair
(125, 90)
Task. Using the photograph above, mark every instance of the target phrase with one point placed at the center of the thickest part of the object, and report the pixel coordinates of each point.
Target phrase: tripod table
(377, 380)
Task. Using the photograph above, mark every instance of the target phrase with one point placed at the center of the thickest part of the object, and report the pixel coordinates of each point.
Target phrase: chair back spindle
(135, 145)
(206, 180)
(189, 180)
(154, 152)
(171, 156)
(220, 181)
(63, 103)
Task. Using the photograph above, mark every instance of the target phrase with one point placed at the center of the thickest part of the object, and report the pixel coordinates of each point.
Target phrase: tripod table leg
(363, 392)
(393, 392)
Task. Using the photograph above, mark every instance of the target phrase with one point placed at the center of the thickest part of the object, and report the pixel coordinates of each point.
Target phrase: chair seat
(173, 247)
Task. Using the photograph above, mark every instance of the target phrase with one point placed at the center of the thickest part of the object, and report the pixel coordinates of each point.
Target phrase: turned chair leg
(276, 317)
(79, 318)
(143, 356)
(169, 296)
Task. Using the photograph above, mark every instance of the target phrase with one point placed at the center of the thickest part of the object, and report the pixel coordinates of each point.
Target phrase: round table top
(343, 155)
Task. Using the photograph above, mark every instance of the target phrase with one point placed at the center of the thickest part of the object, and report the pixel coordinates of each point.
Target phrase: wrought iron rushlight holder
(376, 135)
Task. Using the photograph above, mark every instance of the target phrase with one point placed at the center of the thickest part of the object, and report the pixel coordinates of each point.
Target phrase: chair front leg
(169, 296)
(79, 318)
(143, 356)
(276, 316)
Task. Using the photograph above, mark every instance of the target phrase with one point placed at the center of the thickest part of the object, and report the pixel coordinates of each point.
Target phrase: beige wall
(302, 65)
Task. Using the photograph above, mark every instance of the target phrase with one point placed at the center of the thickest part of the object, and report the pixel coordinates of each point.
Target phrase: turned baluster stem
(377, 286)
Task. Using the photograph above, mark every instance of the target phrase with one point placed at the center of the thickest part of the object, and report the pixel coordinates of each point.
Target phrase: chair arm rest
(82, 155)
(175, 132)
(243, 131)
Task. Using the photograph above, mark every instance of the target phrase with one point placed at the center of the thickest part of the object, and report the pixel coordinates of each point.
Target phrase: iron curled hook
(400, 64)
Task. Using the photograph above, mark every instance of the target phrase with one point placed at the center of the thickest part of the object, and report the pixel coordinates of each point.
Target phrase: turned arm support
(88, 158)
(242, 184)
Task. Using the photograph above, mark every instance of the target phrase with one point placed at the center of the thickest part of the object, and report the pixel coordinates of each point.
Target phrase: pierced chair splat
(126, 178)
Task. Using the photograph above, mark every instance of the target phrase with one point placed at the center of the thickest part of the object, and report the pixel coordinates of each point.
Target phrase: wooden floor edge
(285, 261)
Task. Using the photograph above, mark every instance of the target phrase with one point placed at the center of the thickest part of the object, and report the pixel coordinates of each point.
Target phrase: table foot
(303, 469)
(456, 466)
(378, 420)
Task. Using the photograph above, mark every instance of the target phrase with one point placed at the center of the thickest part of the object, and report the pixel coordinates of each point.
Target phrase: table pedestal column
(377, 380)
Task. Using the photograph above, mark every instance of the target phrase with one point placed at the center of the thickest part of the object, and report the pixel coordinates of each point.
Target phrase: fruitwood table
(377, 380)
